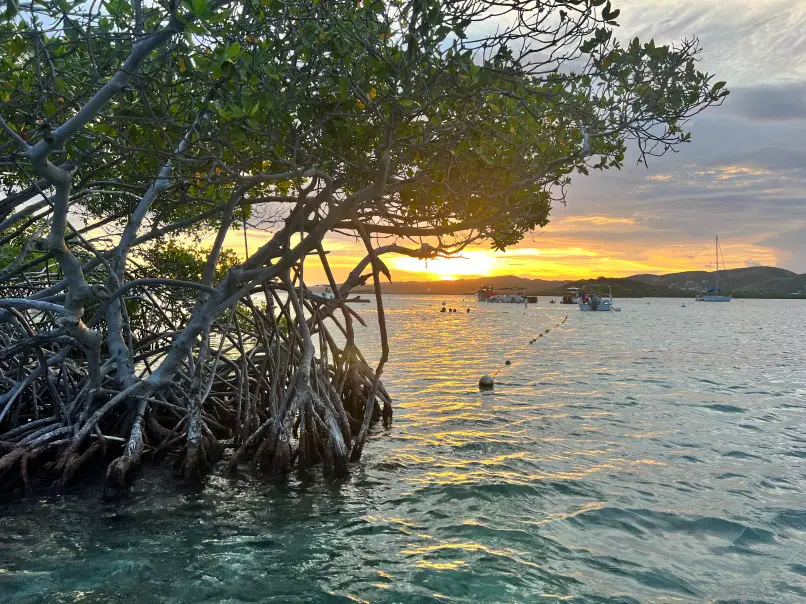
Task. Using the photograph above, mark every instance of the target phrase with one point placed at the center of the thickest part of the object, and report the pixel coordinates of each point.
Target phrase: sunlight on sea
(652, 455)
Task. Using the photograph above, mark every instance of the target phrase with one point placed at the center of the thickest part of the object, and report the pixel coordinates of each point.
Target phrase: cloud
(600, 220)
(744, 41)
(792, 245)
(782, 102)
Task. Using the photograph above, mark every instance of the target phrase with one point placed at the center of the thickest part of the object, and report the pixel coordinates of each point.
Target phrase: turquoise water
(652, 455)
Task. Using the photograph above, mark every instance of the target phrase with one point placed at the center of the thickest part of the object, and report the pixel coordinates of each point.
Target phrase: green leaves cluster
(483, 134)
(175, 259)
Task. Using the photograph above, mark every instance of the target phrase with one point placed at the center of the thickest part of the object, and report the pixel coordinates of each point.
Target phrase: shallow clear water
(652, 455)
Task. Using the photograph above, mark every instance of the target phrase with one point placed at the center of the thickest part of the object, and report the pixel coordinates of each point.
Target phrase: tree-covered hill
(752, 282)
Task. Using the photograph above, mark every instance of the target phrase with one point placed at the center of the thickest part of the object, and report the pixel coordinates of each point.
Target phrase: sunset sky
(743, 177)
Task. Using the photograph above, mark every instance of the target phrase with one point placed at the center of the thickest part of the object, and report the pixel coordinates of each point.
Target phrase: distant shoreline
(759, 282)
(543, 295)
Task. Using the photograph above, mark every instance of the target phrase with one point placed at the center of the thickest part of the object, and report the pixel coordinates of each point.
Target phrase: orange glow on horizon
(475, 263)
(578, 262)
(578, 247)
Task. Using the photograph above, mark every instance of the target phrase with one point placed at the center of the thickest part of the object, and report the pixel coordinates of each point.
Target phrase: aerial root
(261, 394)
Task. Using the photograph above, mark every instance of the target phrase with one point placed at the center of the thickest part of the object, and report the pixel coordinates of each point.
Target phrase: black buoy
(468, 310)
(442, 309)
(507, 362)
(486, 383)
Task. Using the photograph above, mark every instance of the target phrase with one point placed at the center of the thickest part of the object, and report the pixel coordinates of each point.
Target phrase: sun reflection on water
(619, 458)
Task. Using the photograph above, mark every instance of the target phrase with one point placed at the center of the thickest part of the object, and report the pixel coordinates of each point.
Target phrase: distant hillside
(737, 278)
(463, 286)
(628, 287)
(776, 288)
(755, 281)
(752, 282)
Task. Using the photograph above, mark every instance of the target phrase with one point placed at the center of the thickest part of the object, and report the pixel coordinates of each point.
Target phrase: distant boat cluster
(509, 295)
(596, 297)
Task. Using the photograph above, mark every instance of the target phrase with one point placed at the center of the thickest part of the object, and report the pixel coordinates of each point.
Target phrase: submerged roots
(253, 387)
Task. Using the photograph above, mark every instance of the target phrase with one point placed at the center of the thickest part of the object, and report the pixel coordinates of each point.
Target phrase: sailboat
(713, 295)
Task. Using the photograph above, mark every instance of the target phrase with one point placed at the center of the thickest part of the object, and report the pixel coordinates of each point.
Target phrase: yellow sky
(570, 259)
(561, 251)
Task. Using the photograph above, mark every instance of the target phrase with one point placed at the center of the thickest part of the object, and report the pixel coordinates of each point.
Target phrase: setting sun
(472, 263)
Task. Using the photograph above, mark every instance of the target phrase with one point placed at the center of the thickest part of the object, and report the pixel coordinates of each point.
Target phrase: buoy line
(487, 382)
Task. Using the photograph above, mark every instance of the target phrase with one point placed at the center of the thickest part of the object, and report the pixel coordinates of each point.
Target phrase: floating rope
(508, 363)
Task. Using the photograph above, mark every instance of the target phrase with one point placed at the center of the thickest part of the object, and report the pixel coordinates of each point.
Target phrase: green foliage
(11, 249)
(171, 259)
(8, 253)
(484, 134)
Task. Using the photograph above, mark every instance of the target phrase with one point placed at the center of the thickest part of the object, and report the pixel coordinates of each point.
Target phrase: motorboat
(482, 293)
(511, 295)
(598, 297)
(323, 291)
(571, 296)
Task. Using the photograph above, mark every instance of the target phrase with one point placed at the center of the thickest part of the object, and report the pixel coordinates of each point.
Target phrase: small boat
(713, 295)
(323, 291)
(483, 292)
(593, 297)
(531, 299)
(571, 296)
(553, 302)
(683, 305)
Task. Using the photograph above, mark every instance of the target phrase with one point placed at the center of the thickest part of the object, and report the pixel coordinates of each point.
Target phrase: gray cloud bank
(744, 175)
(777, 102)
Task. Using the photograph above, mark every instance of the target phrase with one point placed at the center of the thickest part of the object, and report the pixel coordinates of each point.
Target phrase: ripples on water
(652, 455)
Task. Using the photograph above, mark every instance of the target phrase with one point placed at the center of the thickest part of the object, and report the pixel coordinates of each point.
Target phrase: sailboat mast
(716, 275)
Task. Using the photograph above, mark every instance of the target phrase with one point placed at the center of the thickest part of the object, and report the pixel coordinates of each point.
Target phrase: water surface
(652, 455)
